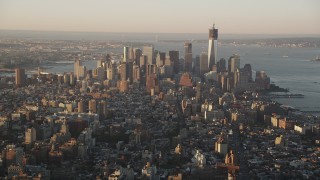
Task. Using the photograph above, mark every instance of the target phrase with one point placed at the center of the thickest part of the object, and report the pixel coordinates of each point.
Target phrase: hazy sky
(177, 16)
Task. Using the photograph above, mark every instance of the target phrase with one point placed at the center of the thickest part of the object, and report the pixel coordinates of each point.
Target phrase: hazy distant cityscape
(122, 106)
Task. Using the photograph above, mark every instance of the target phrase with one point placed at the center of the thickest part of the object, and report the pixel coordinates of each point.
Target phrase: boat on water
(285, 56)
(317, 59)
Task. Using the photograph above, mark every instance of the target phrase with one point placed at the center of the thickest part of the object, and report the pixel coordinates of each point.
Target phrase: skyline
(247, 17)
(84, 97)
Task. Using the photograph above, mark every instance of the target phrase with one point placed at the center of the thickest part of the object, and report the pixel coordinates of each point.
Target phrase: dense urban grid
(146, 114)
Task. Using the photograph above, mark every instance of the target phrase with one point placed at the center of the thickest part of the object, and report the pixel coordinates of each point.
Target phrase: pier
(286, 96)
(7, 70)
(312, 111)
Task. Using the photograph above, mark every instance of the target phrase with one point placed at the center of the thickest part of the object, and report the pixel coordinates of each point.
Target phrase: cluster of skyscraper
(148, 66)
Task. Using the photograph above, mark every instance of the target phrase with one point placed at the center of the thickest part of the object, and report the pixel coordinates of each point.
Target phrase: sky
(163, 16)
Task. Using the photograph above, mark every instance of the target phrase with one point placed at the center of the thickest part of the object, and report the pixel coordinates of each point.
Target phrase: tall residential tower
(79, 70)
(212, 48)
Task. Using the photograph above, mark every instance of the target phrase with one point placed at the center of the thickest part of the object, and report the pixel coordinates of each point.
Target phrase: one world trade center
(212, 48)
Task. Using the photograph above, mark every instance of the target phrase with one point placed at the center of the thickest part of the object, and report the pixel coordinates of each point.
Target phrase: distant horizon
(290, 35)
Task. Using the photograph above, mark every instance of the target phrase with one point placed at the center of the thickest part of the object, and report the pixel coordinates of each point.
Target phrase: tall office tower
(143, 61)
(241, 79)
(125, 53)
(20, 77)
(136, 73)
(223, 81)
(151, 69)
(187, 57)
(247, 69)
(221, 65)
(262, 80)
(181, 64)
(123, 71)
(233, 63)
(196, 67)
(230, 83)
(212, 48)
(110, 71)
(129, 69)
(166, 71)
(72, 79)
(131, 54)
(167, 61)
(30, 135)
(174, 57)
(152, 83)
(148, 51)
(160, 58)
(137, 55)
(82, 72)
(203, 63)
(101, 74)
